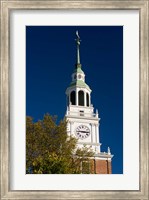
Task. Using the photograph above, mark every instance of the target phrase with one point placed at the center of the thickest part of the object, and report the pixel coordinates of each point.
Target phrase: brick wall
(101, 167)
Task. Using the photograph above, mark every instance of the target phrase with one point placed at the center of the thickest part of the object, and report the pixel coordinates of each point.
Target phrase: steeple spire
(78, 64)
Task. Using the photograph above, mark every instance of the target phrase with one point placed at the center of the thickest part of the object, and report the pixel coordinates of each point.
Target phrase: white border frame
(130, 22)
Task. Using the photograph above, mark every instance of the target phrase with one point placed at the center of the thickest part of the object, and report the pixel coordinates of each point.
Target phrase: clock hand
(83, 131)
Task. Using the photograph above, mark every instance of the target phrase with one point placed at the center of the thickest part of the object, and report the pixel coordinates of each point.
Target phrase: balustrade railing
(82, 114)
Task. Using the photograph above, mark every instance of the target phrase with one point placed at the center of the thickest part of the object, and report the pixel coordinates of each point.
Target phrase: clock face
(82, 132)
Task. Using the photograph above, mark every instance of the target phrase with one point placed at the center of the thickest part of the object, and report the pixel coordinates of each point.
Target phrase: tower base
(99, 164)
(101, 167)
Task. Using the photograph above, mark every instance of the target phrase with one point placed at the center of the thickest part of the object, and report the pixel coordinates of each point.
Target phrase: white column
(70, 128)
(89, 99)
(91, 133)
(97, 136)
(71, 125)
(97, 132)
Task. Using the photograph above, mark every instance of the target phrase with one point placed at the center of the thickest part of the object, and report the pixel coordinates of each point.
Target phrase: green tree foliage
(49, 150)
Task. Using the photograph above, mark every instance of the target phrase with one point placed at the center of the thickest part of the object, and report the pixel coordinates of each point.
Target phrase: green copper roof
(78, 70)
(79, 83)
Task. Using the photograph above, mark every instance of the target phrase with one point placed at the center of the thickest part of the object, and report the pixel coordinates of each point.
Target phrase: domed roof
(79, 83)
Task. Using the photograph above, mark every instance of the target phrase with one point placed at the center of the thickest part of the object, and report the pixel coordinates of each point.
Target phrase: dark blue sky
(50, 61)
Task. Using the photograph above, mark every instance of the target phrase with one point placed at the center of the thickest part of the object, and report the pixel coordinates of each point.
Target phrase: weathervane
(78, 51)
(78, 38)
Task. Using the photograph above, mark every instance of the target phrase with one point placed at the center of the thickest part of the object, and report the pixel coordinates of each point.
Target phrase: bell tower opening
(73, 98)
(81, 98)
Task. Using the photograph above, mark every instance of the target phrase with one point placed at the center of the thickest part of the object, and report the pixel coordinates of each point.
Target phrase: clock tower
(82, 121)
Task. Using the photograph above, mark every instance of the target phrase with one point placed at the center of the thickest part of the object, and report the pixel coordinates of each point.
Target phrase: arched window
(87, 99)
(81, 98)
(73, 97)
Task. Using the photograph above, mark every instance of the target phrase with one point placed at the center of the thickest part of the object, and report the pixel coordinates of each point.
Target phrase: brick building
(82, 121)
